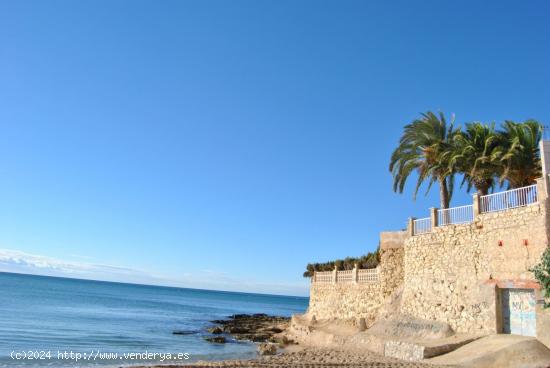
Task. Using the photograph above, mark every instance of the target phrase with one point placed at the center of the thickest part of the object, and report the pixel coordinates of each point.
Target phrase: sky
(226, 144)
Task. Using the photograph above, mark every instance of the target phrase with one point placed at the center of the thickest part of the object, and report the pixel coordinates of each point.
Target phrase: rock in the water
(239, 316)
(183, 332)
(260, 337)
(253, 327)
(216, 339)
(267, 349)
(236, 330)
(215, 330)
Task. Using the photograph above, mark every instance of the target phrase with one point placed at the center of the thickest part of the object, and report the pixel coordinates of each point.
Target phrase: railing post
(410, 226)
(542, 188)
(354, 274)
(335, 275)
(476, 205)
(433, 217)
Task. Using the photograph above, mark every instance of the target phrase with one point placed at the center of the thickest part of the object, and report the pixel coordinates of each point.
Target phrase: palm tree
(425, 148)
(477, 154)
(521, 158)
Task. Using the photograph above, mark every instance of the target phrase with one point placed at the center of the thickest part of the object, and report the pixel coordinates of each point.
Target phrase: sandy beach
(313, 358)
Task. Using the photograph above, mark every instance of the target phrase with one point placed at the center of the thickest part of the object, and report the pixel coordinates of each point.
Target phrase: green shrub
(369, 260)
(542, 274)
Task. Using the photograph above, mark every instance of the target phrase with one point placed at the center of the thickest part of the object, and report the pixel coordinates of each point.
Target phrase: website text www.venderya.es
(96, 355)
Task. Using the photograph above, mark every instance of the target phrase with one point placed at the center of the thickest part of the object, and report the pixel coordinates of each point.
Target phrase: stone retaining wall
(351, 301)
(392, 271)
(344, 301)
(453, 273)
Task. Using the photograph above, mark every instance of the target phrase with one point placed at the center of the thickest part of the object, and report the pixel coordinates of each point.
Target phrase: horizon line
(152, 285)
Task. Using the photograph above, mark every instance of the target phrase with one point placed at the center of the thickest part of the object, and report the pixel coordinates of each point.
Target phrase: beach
(313, 358)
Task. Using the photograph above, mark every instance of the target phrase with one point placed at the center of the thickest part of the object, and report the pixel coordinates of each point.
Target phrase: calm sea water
(47, 314)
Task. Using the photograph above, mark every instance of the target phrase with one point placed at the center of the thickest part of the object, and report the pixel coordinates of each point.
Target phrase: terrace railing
(360, 276)
(368, 275)
(455, 215)
(325, 277)
(422, 226)
(502, 201)
(514, 198)
(344, 276)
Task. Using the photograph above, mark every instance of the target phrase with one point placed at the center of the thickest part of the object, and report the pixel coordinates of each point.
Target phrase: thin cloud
(21, 262)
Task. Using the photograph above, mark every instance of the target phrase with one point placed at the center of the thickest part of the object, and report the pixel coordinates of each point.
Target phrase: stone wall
(454, 272)
(351, 301)
(345, 301)
(392, 260)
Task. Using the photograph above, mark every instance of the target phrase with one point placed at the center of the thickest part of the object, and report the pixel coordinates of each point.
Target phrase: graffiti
(519, 314)
(480, 306)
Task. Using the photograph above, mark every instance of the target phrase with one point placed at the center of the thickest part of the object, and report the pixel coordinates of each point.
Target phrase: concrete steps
(414, 350)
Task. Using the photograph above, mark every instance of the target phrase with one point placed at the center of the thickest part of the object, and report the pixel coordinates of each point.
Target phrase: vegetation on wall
(542, 275)
(369, 260)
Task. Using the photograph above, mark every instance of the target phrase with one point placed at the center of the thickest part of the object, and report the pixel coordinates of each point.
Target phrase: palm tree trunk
(483, 186)
(443, 193)
(482, 191)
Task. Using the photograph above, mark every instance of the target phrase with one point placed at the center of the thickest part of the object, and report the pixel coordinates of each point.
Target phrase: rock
(267, 349)
(216, 339)
(215, 330)
(220, 321)
(236, 330)
(243, 337)
(183, 332)
(281, 340)
(260, 338)
(274, 339)
(287, 341)
(362, 325)
(239, 316)
(256, 327)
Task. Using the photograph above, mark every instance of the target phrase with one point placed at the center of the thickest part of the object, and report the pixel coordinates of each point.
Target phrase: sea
(62, 322)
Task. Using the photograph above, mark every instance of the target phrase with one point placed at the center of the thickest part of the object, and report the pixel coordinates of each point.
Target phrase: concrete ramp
(498, 351)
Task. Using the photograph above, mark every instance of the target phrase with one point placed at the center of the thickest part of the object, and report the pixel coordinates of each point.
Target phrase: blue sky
(225, 144)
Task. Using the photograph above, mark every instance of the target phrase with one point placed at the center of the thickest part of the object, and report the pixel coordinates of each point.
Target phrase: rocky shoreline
(260, 328)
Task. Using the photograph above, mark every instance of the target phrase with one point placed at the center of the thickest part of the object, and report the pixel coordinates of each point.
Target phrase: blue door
(518, 312)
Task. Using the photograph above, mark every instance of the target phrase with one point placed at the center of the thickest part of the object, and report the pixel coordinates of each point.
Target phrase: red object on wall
(500, 243)
(525, 242)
